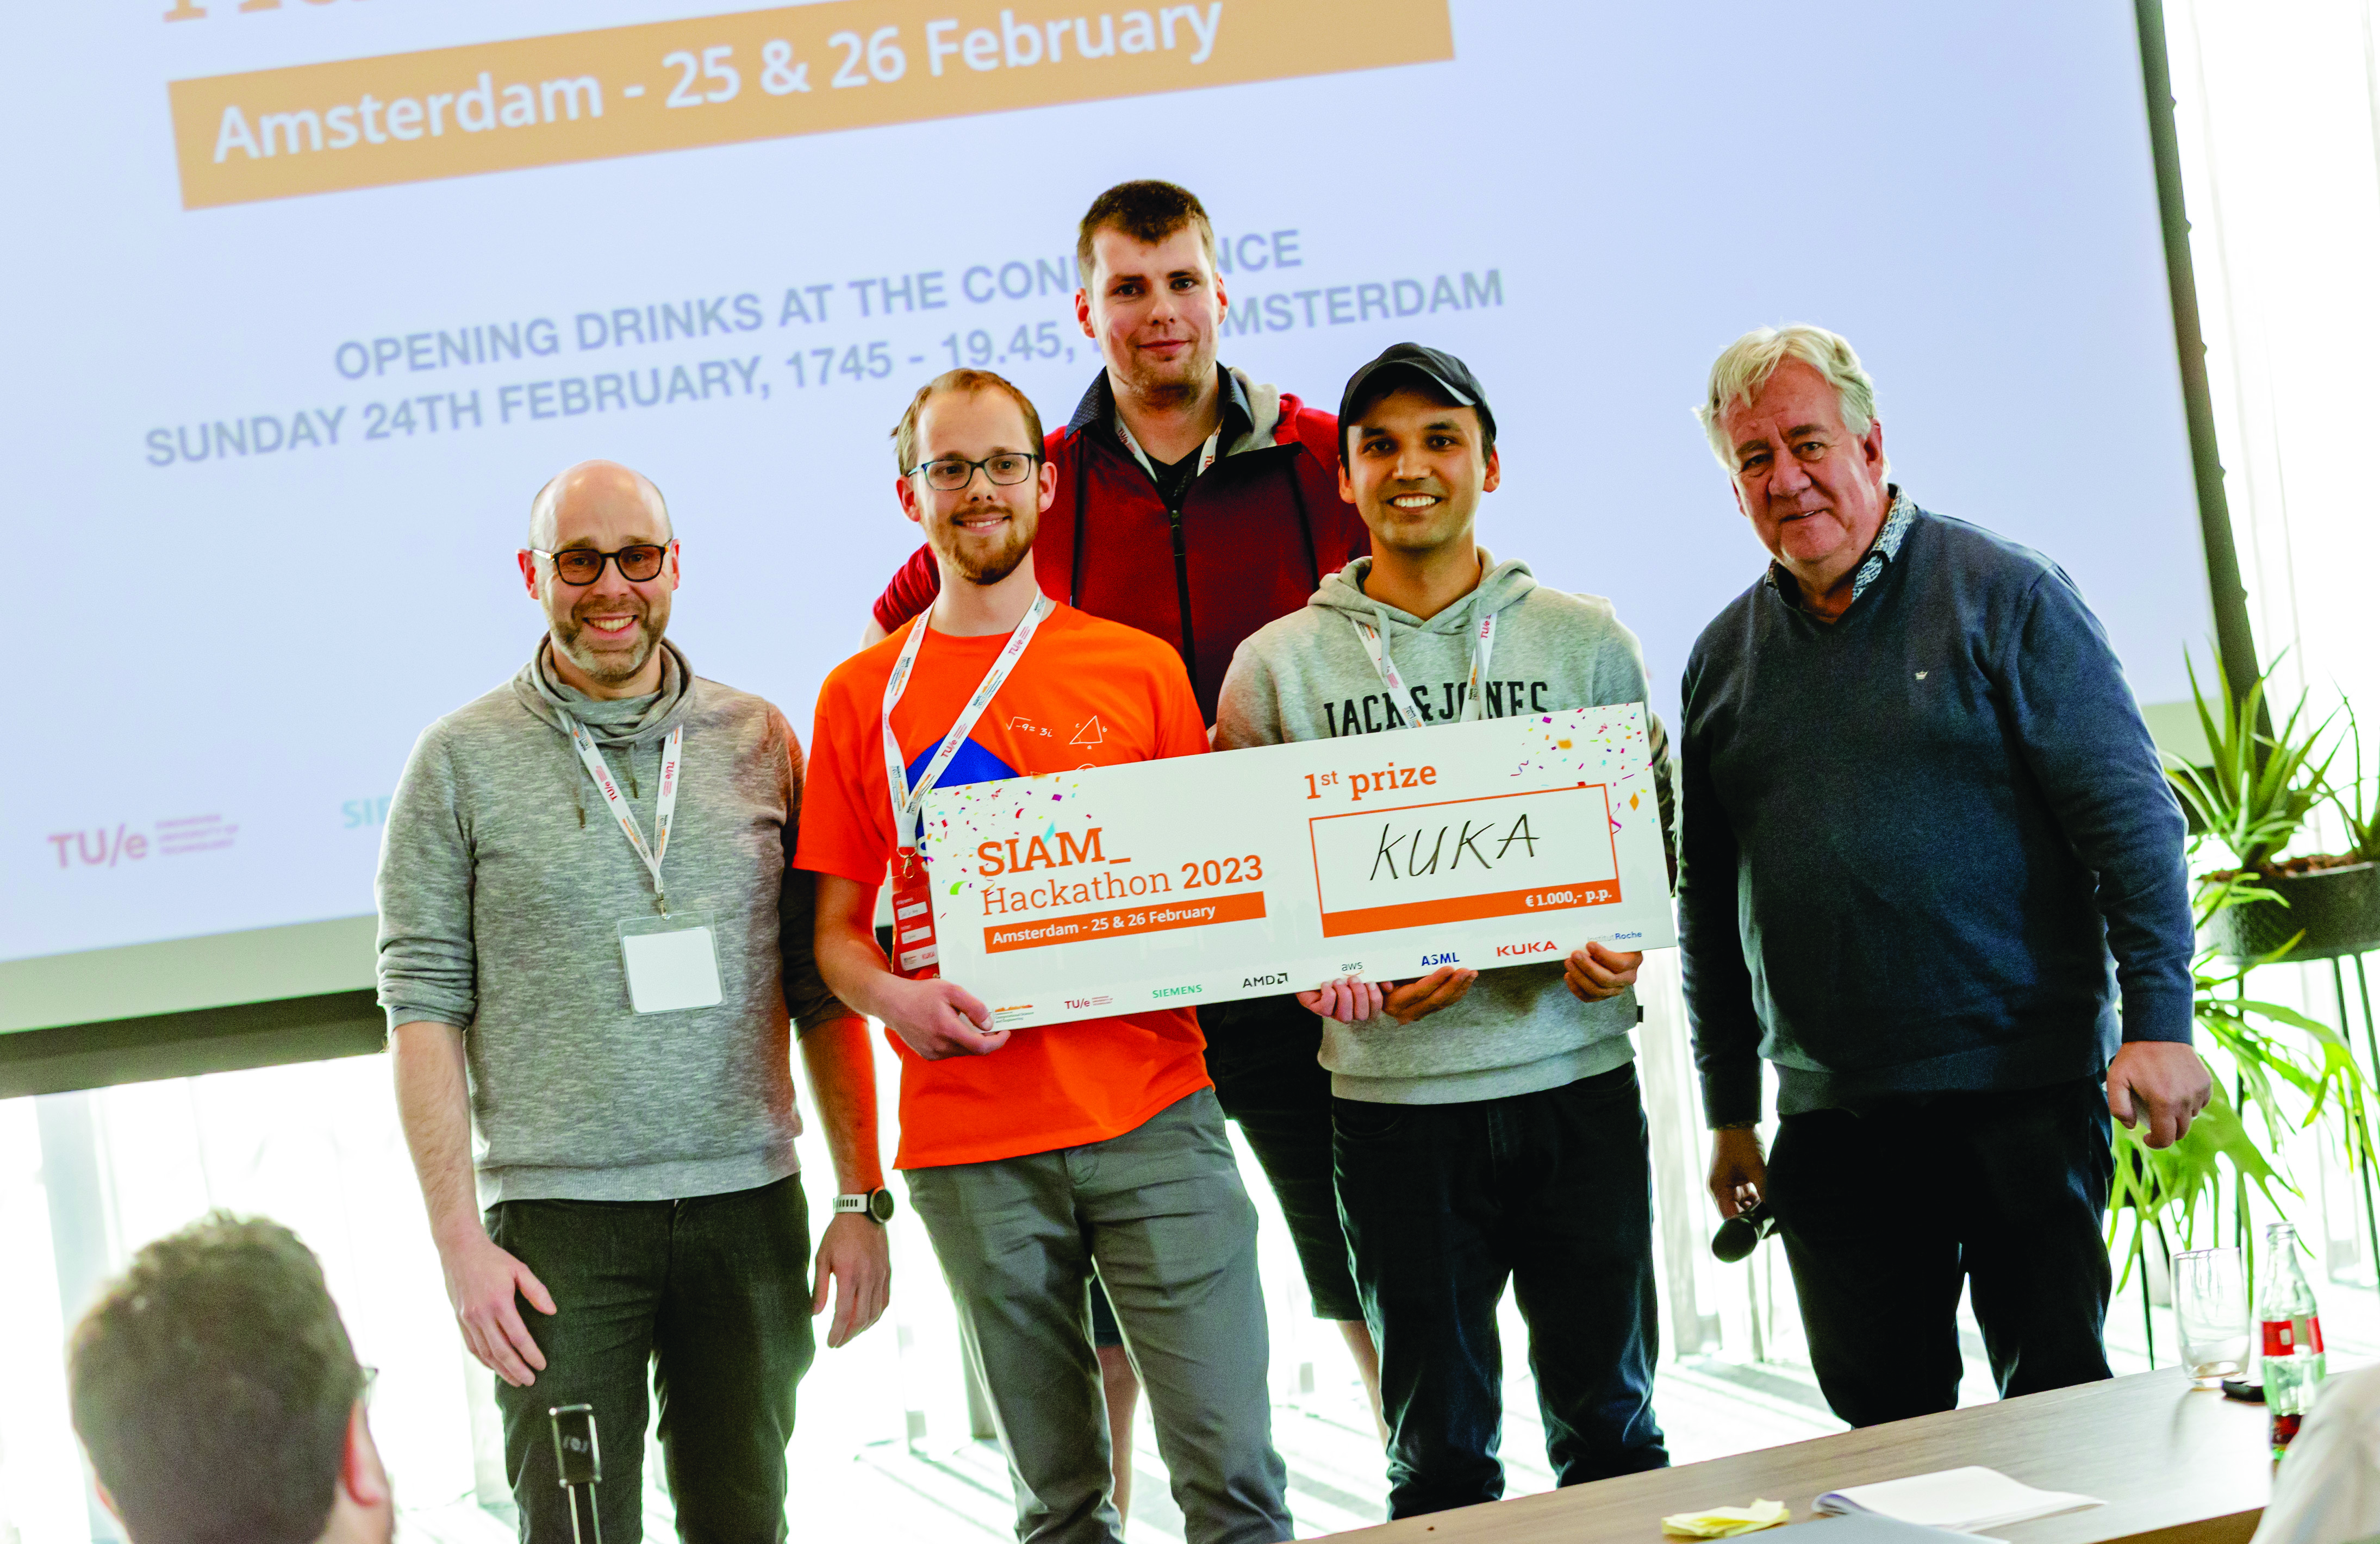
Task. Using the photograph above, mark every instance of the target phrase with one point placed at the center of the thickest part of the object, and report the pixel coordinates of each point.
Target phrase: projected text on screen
(758, 74)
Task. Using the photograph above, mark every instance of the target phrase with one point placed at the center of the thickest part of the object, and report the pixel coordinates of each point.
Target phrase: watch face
(880, 1205)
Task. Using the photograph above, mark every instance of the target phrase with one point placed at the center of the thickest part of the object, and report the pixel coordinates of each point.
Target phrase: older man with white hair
(1927, 853)
(590, 947)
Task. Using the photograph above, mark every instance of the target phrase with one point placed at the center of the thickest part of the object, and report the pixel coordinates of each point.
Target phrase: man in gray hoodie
(1504, 1140)
(590, 946)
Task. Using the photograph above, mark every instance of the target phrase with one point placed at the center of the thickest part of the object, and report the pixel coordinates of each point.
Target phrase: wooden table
(2175, 1465)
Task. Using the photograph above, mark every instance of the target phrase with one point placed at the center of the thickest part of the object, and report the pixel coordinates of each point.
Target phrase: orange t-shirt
(1084, 692)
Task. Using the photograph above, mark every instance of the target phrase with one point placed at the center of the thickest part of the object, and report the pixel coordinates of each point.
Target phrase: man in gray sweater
(1504, 1140)
(589, 948)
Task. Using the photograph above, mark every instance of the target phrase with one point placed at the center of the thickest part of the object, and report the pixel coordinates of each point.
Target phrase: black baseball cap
(1442, 371)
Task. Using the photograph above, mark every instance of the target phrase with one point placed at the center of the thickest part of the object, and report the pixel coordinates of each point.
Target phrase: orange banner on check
(1470, 908)
(1163, 917)
(750, 75)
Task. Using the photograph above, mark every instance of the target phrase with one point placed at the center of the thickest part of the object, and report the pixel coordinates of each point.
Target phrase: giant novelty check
(1117, 889)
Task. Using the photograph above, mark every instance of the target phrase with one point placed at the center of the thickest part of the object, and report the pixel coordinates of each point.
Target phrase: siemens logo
(1177, 991)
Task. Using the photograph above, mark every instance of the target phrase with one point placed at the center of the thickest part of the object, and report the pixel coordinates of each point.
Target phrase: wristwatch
(876, 1204)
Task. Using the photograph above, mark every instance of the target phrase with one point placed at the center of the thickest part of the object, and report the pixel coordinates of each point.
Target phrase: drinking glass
(2210, 1309)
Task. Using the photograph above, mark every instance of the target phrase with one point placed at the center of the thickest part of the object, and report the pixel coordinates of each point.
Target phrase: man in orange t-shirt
(1037, 1156)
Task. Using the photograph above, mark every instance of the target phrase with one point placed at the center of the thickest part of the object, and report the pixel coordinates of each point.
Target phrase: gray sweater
(1308, 677)
(502, 880)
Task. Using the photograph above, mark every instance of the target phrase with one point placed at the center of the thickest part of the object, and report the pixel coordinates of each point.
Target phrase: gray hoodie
(1308, 677)
(503, 882)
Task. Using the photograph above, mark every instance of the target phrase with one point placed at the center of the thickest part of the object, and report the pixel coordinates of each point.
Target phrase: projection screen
(306, 300)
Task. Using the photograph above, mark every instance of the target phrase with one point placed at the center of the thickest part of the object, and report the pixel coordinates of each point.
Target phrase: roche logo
(1515, 951)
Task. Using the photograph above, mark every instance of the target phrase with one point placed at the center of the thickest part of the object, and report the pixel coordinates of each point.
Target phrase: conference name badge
(673, 962)
(914, 954)
(1119, 889)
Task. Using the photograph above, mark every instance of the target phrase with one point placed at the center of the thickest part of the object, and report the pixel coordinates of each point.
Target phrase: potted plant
(2335, 898)
(2248, 802)
(2290, 1080)
(2255, 796)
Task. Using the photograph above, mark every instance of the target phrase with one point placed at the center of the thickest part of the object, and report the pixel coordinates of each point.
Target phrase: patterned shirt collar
(1887, 549)
(1097, 407)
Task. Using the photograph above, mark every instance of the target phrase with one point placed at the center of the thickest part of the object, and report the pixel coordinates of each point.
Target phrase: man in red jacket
(1193, 503)
(1197, 505)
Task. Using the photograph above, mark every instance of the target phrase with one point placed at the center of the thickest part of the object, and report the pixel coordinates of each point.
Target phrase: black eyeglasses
(584, 565)
(950, 474)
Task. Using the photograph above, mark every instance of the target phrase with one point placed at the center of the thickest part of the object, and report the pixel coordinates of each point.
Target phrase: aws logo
(1279, 978)
(1515, 951)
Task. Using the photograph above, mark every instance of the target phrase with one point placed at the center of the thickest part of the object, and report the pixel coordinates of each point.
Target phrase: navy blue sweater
(1911, 840)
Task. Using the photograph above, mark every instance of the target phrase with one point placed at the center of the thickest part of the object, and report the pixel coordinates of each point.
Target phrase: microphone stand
(580, 1463)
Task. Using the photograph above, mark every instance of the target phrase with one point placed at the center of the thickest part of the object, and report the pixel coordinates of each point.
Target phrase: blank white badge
(673, 962)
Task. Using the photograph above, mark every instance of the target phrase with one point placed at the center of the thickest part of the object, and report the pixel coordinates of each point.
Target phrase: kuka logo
(1513, 951)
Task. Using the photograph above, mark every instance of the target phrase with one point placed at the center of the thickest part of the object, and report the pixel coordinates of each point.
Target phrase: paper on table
(1726, 1521)
(1873, 1527)
(1961, 1500)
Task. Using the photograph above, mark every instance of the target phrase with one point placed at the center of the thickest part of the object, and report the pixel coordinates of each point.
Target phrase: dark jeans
(711, 1293)
(1444, 1203)
(1264, 1055)
(1887, 1213)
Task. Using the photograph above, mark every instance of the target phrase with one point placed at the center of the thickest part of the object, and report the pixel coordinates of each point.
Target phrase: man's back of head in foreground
(216, 1392)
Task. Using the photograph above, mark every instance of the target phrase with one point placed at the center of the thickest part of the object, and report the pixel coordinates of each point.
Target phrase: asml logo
(1444, 957)
(1513, 951)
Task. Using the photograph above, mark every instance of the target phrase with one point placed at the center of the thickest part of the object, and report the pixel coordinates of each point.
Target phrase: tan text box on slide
(750, 75)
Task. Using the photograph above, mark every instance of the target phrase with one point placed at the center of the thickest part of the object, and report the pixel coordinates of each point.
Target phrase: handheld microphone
(1741, 1234)
(581, 1466)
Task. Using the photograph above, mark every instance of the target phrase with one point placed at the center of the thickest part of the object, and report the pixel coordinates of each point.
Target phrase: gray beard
(610, 666)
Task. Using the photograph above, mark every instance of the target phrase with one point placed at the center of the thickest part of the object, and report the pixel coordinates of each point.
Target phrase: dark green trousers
(709, 1296)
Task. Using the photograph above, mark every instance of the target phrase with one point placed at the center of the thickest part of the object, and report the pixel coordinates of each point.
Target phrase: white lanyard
(664, 806)
(1206, 452)
(909, 801)
(1483, 645)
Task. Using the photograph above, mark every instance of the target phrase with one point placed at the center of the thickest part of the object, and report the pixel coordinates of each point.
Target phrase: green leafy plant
(2254, 795)
(2322, 1073)
(2357, 802)
(2160, 1183)
(2251, 799)
(2290, 1069)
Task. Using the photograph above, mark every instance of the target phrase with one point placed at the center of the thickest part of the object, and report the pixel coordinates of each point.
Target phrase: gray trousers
(1160, 1213)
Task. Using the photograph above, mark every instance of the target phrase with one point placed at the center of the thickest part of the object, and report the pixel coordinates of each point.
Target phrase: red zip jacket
(1251, 542)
